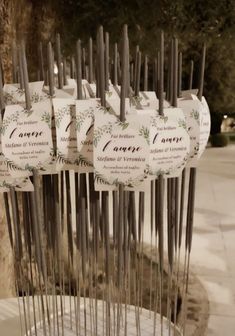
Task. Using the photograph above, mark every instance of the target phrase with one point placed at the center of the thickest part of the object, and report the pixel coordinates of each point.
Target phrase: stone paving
(213, 253)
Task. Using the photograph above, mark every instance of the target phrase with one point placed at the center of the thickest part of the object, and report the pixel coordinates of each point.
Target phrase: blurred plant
(219, 140)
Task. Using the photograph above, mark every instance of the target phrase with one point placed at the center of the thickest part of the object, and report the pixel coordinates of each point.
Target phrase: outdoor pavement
(213, 252)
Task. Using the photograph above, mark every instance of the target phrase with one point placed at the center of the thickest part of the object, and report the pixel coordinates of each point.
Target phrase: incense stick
(191, 75)
(90, 60)
(40, 61)
(115, 66)
(14, 63)
(146, 73)
(59, 61)
(106, 61)
(191, 194)
(2, 103)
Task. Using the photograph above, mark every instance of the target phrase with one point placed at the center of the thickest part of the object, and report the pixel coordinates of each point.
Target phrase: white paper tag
(6, 179)
(147, 100)
(92, 89)
(66, 135)
(205, 126)
(14, 95)
(193, 113)
(121, 150)
(113, 105)
(27, 139)
(169, 144)
(187, 94)
(20, 184)
(85, 111)
(71, 87)
(112, 93)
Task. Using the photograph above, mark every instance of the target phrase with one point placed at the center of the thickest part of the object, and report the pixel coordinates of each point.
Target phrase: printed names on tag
(66, 137)
(121, 152)
(6, 179)
(169, 144)
(27, 140)
(85, 111)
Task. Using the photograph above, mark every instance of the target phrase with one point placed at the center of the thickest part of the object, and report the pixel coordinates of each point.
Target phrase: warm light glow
(55, 69)
(225, 116)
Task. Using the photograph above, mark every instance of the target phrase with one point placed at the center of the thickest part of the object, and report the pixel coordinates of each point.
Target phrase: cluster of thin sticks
(54, 257)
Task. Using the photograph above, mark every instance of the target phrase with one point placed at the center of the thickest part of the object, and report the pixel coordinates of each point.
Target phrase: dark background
(193, 22)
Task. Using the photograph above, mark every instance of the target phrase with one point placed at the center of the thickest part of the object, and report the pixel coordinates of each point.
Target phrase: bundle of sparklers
(89, 164)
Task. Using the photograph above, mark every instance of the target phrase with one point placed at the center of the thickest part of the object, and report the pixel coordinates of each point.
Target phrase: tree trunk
(6, 36)
(6, 257)
(7, 288)
(32, 21)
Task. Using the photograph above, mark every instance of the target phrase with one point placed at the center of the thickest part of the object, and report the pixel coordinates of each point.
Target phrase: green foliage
(219, 140)
(230, 136)
(192, 21)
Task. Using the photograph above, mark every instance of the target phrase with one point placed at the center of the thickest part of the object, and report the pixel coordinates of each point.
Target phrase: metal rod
(101, 66)
(107, 61)
(59, 62)
(115, 65)
(25, 78)
(201, 74)
(191, 75)
(90, 60)
(146, 73)
(40, 61)
(79, 69)
(180, 75)
(50, 61)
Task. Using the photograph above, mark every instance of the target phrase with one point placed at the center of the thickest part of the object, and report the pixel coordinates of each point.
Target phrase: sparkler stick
(14, 63)
(59, 61)
(90, 60)
(191, 195)
(40, 61)
(191, 75)
(146, 73)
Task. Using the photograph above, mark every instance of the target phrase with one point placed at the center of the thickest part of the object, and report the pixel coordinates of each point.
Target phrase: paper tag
(92, 87)
(14, 95)
(187, 94)
(66, 135)
(121, 150)
(27, 139)
(193, 113)
(113, 105)
(147, 100)
(61, 93)
(101, 186)
(112, 93)
(205, 126)
(169, 144)
(205, 123)
(20, 184)
(6, 180)
(71, 87)
(85, 111)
